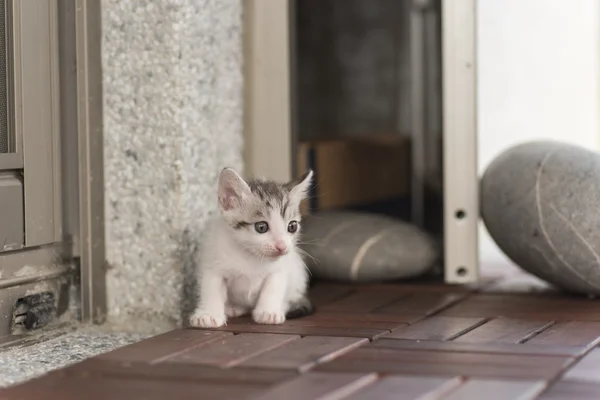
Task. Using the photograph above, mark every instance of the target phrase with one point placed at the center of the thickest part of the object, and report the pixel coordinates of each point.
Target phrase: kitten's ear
(233, 190)
(300, 187)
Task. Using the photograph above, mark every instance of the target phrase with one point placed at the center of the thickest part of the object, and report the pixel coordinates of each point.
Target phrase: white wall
(538, 78)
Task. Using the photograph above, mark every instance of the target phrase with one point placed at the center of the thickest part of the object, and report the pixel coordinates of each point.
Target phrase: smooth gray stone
(540, 201)
(348, 246)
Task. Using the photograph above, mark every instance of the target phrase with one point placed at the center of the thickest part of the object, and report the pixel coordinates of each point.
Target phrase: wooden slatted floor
(500, 340)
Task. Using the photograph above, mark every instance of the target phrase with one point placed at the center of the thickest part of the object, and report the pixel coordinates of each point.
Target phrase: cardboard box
(356, 171)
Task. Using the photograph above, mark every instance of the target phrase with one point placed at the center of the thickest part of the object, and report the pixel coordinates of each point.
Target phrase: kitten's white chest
(243, 277)
(243, 290)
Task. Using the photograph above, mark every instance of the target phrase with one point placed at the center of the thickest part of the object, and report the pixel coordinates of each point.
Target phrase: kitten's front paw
(203, 319)
(268, 317)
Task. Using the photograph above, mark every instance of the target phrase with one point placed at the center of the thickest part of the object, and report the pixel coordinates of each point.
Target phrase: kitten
(250, 261)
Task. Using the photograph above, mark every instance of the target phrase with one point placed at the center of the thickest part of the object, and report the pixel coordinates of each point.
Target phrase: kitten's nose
(280, 247)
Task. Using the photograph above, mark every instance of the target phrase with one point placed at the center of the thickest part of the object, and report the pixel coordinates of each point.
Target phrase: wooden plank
(350, 323)
(327, 316)
(436, 328)
(232, 350)
(304, 330)
(406, 388)
(314, 385)
(420, 305)
(497, 348)
(176, 371)
(504, 330)
(497, 390)
(100, 388)
(166, 345)
(363, 302)
(507, 357)
(566, 390)
(430, 363)
(586, 370)
(526, 307)
(322, 294)
(426, 285)
(572, 333)
(304, 354)
(337, 320)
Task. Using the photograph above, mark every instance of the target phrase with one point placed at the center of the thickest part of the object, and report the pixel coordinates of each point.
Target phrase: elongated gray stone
(540, 201)
(350, 246)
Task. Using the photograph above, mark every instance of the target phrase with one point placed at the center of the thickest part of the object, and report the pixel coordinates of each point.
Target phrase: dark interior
(367, 105)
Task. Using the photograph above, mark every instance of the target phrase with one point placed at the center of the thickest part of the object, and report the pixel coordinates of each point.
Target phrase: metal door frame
(84, 18)
(57, 87)
(461, 181)
(32, 61)
(268, 107)
(34, 124)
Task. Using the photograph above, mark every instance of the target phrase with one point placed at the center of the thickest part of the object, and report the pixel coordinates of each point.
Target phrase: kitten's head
(264, 216)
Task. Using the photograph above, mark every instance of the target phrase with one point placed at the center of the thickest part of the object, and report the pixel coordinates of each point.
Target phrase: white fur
(238, 272)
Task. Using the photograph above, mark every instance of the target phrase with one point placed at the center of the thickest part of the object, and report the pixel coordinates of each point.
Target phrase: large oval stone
(540, 202)
(352, 246)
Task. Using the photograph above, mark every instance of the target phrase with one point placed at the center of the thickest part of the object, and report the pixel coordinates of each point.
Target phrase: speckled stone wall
(173, 119)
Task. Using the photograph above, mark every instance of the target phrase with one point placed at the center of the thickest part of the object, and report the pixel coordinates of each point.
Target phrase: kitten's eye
(293, 227)
(261, 227)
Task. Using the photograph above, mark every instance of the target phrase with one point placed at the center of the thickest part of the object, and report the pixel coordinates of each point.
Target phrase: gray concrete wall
(173, 119)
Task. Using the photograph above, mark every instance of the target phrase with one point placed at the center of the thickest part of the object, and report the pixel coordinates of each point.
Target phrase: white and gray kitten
(250, 262)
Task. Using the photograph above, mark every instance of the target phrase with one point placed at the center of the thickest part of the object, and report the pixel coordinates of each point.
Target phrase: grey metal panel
(12, 229)
(11, 161)
(91, 163)
(426, 117)
(56, 283)
(418, 110)
(267, 102)
(461, 187)
(433, 56)
(15, 135)
(294, 93)
(55, 132)
(31, 271)
(37, 117)
(68, 120)
(31, 265)
(4, 129)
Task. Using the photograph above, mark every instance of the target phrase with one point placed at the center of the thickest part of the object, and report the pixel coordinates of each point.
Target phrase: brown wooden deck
(502, 340)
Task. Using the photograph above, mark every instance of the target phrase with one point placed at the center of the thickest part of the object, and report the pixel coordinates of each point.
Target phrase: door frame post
(92, 247)
(268, 139)
(461, 183)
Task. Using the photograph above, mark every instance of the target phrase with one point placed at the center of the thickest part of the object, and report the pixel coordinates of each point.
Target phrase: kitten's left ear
(299, 188)
(233, 190)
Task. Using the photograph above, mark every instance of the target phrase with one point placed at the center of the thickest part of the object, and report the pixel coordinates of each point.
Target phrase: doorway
(421, 95)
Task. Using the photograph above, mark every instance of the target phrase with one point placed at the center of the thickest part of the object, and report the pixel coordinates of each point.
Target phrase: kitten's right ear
(233, 190)
(300, 187)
